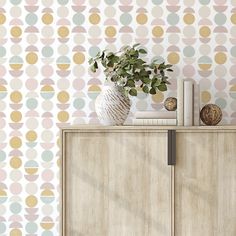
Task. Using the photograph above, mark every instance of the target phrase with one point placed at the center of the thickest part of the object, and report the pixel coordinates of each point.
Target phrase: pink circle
(233, 70)
(16, 188)
(2, 123)
(47, 175)
(31, 2)
(31, 84)
(2, 71)
(189, 71)
(78, 84)
(220, 2)
(220, 84)
(47, 71)
(47, 123)
(78, 2)
(2, 175)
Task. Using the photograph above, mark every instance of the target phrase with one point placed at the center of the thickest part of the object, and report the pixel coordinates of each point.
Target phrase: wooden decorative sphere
(211, 114)
(170, 104)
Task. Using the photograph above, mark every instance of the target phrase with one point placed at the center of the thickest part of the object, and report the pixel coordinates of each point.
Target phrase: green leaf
(136, 45)
(146, 80)
(152, 91)
(162, 87)
(169, 70)
(133, 92)
(130, 83)
(142, 51)
(93, 69)
(90, 61)
(145, 89)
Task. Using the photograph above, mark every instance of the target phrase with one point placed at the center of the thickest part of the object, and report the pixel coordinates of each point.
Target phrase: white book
(154, 121)
(155, 115)
(180, 102)
(188, 103)
(196, 106)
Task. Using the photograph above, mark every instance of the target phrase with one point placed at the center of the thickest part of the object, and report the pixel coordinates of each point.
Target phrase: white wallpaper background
(45, 82)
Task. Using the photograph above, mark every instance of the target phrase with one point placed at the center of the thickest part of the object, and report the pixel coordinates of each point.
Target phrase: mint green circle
(47, 156)
(2, 156)
(32, 103)
(31, 227)
(47, 51)
(2, 228)
(221, 103)
(204, 2)
(78, 19)
(16, 60)
(126, 19)
(220, 19)
(31, 164)
(93, 51)
(204, 60)
(47, 233)
(110, 2)
(2, 51)
(189, 51)
(157, 2)
(15, 2)
(79, 103)
(15, 208)
(233, 51)
(31, 19)
(62, 2)
(173, 19)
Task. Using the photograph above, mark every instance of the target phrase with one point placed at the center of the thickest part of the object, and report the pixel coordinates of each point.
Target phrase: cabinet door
(116, 184)
(205, 184)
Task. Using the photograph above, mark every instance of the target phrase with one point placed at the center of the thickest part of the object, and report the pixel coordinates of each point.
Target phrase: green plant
(128, 70)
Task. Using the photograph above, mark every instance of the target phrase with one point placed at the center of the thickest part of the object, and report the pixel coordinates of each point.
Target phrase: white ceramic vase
(112, 106)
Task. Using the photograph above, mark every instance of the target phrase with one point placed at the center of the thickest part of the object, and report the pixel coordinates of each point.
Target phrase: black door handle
(171, 147)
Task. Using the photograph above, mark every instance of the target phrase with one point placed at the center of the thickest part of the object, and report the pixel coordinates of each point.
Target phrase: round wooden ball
(170, 104)
(211, 114)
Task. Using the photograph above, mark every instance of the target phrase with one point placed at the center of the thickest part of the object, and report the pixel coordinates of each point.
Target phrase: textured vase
(112, 106)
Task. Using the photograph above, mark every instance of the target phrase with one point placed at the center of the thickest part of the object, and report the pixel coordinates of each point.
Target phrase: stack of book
(188, 103)
(155, 118)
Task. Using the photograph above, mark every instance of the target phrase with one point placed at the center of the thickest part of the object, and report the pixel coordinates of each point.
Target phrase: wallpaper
(45, 82)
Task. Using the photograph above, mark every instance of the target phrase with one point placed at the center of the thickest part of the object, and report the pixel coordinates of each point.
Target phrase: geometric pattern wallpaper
(45, 82)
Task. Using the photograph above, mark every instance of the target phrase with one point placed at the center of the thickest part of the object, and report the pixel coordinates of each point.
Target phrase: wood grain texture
(116, 184)
(205, 184)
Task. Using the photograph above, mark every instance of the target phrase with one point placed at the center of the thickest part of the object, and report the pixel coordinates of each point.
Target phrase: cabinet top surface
(147, 128)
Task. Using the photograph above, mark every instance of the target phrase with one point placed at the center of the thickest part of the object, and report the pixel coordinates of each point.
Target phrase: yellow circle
(158, 97)
(173, 58)
(94, 19)
(16, 31)
(78, 58)
(47, 88)
(189, 19)
(205, 31)
(141, 19)
(31, 135)
(63, 116)
(233, 18)
(16, 96)
(110, 31)
(31, 58)
(15, 142)
(47, 18)
(220, 58)
(63, 97)
(16, 116)
(15, 232)
(16, 66)
(63, 66)
(31, 201)
(2, 19)
(204, 67)
(63, 31)
(205, 96)
(15, 162)
(157, 31)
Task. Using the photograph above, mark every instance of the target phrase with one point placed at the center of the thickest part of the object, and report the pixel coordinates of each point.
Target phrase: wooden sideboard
(116, 181)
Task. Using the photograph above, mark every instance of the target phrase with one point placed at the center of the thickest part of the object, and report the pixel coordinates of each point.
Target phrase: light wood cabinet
(116, 182)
